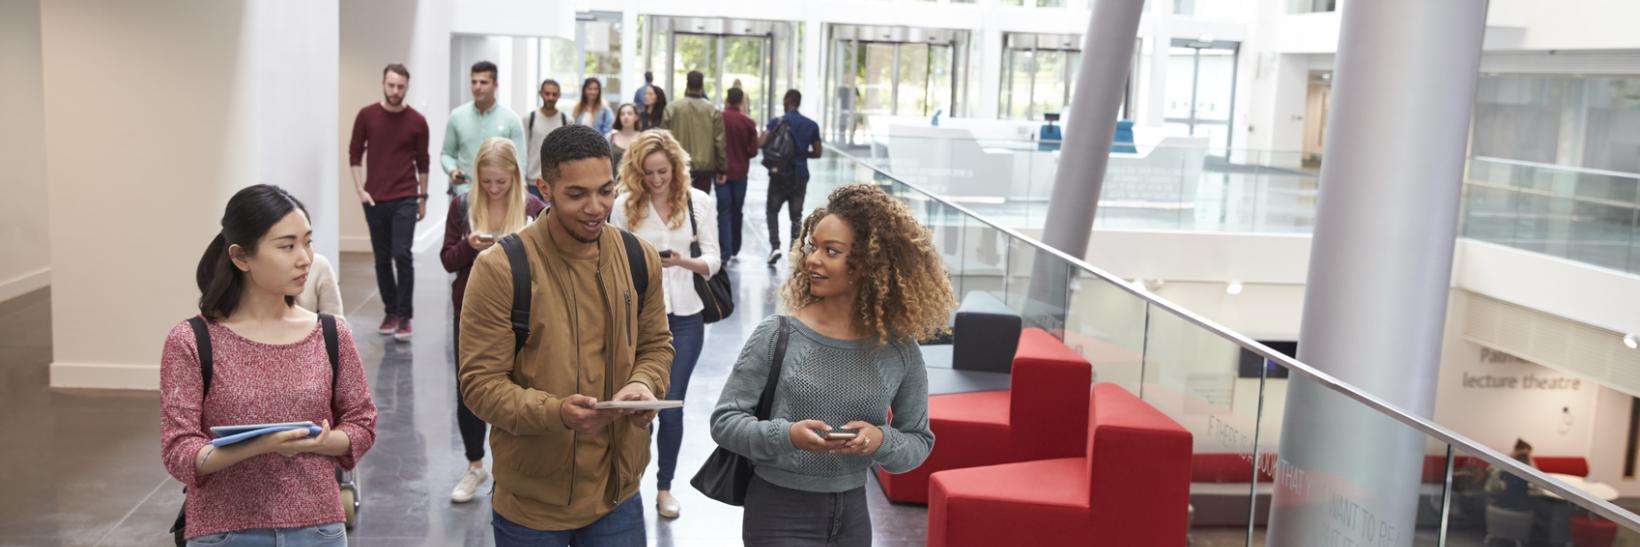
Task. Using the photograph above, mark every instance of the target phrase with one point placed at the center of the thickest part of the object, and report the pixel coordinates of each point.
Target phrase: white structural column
(1380, 268)
(232, 93)
(814, 58)
(1160, 41)
(631, 57)
(1100, 83)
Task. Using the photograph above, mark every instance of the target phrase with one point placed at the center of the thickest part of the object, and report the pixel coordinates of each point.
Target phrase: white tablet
(637, 405)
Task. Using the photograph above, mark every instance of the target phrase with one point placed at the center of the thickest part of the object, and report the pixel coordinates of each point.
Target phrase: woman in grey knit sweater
(866, 285)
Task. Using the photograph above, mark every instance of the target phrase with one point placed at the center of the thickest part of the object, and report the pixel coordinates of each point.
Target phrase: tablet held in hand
(637, 405)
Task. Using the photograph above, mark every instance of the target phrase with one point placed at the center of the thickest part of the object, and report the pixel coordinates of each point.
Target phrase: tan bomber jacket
(534, 451)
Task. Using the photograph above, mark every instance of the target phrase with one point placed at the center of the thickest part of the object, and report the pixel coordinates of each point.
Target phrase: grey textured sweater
(834, 381)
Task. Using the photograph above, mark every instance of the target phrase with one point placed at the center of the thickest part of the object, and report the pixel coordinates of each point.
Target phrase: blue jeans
(688, 334)
(622, 527)
(731, 204)
(323, 535)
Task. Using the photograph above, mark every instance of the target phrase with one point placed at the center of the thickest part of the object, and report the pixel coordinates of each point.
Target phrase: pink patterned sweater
(255, 383)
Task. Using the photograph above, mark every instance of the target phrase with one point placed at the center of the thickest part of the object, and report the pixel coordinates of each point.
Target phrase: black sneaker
(774, 257)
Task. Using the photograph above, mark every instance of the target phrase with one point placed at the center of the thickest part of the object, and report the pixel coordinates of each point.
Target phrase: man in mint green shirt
(470, 124)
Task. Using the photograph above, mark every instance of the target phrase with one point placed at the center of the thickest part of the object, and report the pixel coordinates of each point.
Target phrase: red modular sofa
(1576, 466)
(1042, 415)
(1589, 531)
(1130, 486)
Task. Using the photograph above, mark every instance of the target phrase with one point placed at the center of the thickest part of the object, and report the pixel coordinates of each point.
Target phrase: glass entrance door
(1201, 90)
(723, 60)
(896, 72)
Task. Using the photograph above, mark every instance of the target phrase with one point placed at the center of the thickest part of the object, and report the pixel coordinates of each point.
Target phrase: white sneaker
(470, 481)
(666, 505)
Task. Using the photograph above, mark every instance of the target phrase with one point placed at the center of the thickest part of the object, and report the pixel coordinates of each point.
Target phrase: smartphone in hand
(666, 254)
(840, 434)
(486, 237)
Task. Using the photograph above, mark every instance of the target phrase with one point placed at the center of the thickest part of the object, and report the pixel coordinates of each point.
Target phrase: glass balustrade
(1283, 454)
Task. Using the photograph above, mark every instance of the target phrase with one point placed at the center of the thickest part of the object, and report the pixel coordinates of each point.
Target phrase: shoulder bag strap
(694, 229)
(513, 244)
(765, 402)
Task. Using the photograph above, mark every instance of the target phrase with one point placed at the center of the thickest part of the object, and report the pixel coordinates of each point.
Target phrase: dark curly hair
(903, 288)
(570, 143)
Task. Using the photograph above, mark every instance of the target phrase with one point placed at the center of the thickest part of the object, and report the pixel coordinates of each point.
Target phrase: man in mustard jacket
(566, 473)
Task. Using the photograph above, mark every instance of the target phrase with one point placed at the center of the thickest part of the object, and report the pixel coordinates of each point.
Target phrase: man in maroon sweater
(740, 143)
(393, 188)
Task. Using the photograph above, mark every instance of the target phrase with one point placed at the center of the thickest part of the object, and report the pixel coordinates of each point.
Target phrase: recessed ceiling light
(1234, 287)
(1630, 341)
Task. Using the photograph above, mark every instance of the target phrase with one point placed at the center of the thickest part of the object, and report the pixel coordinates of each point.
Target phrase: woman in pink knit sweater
(270, 365)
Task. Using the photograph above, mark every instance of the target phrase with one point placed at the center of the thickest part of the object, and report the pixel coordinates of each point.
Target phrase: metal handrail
(1451, 438)
(1574, 169)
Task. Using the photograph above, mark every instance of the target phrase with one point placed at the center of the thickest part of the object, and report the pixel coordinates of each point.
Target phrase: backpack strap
(529, 127)
(513, 244)
(332, 349)
(202, 341)
(638, 265)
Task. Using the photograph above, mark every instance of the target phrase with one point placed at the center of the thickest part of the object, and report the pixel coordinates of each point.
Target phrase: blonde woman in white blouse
(319, 293)
(655, 205)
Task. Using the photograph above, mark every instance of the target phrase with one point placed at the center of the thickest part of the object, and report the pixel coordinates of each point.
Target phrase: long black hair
(647, 121)
(595, 106)
(250, 214)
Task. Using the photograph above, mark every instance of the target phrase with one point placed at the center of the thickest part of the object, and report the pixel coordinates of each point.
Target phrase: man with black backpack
(788, 144)
(537, 125)
(569, 315)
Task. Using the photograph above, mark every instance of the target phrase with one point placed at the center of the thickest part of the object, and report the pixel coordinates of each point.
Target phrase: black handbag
(726, 475)
(714, 292)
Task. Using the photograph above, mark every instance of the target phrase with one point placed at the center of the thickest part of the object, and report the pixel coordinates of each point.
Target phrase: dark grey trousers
(782, 517)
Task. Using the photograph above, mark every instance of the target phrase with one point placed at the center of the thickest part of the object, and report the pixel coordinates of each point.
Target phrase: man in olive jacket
(698, 126)
(566, 472)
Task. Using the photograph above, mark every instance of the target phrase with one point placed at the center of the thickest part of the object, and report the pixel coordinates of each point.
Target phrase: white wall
(375, 33)
(1575, 24)
(295, 44)
(23, 226)
(122, 280)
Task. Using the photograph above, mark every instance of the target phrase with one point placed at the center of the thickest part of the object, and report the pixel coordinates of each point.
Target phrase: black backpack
(779, 148)
(513, 244)
(202, 339)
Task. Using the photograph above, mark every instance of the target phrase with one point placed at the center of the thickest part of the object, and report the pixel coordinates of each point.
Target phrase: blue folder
(231, 434)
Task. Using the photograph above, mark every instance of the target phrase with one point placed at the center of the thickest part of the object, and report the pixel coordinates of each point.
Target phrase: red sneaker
(403, 334)
(389, 324)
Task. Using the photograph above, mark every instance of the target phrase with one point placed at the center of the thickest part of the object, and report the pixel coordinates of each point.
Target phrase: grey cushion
(985, 334)
(943, 379)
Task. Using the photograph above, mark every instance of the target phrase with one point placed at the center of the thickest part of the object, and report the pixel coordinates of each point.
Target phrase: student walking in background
(658, 205)
(497, 206)
(591, 110)
(390, 161)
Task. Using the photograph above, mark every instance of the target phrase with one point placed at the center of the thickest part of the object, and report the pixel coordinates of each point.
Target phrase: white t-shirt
(536, 127)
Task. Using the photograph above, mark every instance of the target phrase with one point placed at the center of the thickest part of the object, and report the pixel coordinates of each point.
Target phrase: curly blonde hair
(637, 206)
(903, 288)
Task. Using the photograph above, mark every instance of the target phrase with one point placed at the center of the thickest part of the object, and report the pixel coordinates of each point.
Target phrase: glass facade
(1581, 121)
